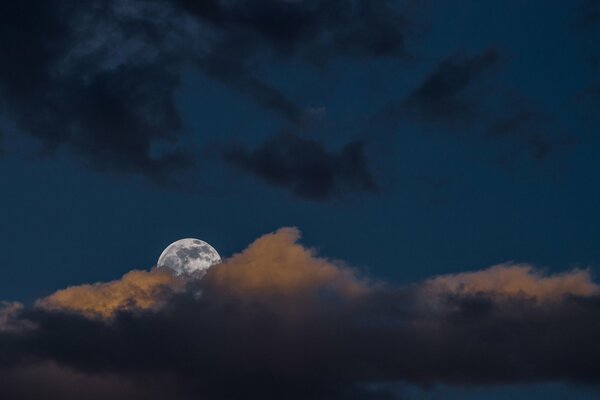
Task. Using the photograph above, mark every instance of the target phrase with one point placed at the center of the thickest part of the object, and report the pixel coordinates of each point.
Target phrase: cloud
(51, 381)
(516, 280)
(305, 167)
(276, 265)
(99, 79)
(316, 29)
(90, 78)
(463, 95)
(587, 24)
(136, 290)
(277, 321)
(444, 96)
(524, 124)
(9, 317)
(589, 16)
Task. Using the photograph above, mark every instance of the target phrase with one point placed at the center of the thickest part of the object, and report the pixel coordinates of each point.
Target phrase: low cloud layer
(277, 321)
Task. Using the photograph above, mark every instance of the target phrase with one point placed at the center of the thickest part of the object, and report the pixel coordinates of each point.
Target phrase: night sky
(404, 194)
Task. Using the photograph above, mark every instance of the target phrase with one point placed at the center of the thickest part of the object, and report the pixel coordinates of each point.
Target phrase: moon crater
(189, 257)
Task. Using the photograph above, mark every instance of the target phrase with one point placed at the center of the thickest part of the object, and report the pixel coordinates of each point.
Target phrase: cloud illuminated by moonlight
(136, 290)
(277, 265)
(506, 280)
(278, 321)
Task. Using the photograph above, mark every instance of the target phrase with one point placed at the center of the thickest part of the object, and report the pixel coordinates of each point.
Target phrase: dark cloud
(51, 381)
(445, 96)
(99, 78)
(589, 15)
(306, 167)
(587, 26)
(462, 95)
(317, 29)
(94, 78)
(531, 128)
(277, 322)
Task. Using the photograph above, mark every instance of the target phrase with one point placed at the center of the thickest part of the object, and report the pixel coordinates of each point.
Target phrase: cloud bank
(277, 321)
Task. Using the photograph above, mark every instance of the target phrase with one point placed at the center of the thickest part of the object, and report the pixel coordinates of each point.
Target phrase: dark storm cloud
(99, 78)
(305, 167)
(275, 321)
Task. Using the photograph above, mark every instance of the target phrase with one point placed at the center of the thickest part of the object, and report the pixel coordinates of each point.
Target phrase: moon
(189, 258)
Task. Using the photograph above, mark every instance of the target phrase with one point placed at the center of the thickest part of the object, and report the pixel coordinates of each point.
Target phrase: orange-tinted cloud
(276, 320)
(515, 280)
(276, 264)
(136, 290)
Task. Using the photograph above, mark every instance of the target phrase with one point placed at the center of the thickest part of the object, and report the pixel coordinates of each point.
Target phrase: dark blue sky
(451, 195)
(465, 136)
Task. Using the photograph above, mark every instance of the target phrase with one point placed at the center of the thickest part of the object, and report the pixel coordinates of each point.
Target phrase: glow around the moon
(189, 257)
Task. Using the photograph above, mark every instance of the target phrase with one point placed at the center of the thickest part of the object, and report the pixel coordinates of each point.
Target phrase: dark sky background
(407, 138)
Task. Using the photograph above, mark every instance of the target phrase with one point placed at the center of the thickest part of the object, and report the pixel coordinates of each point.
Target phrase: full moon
(189, 257)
